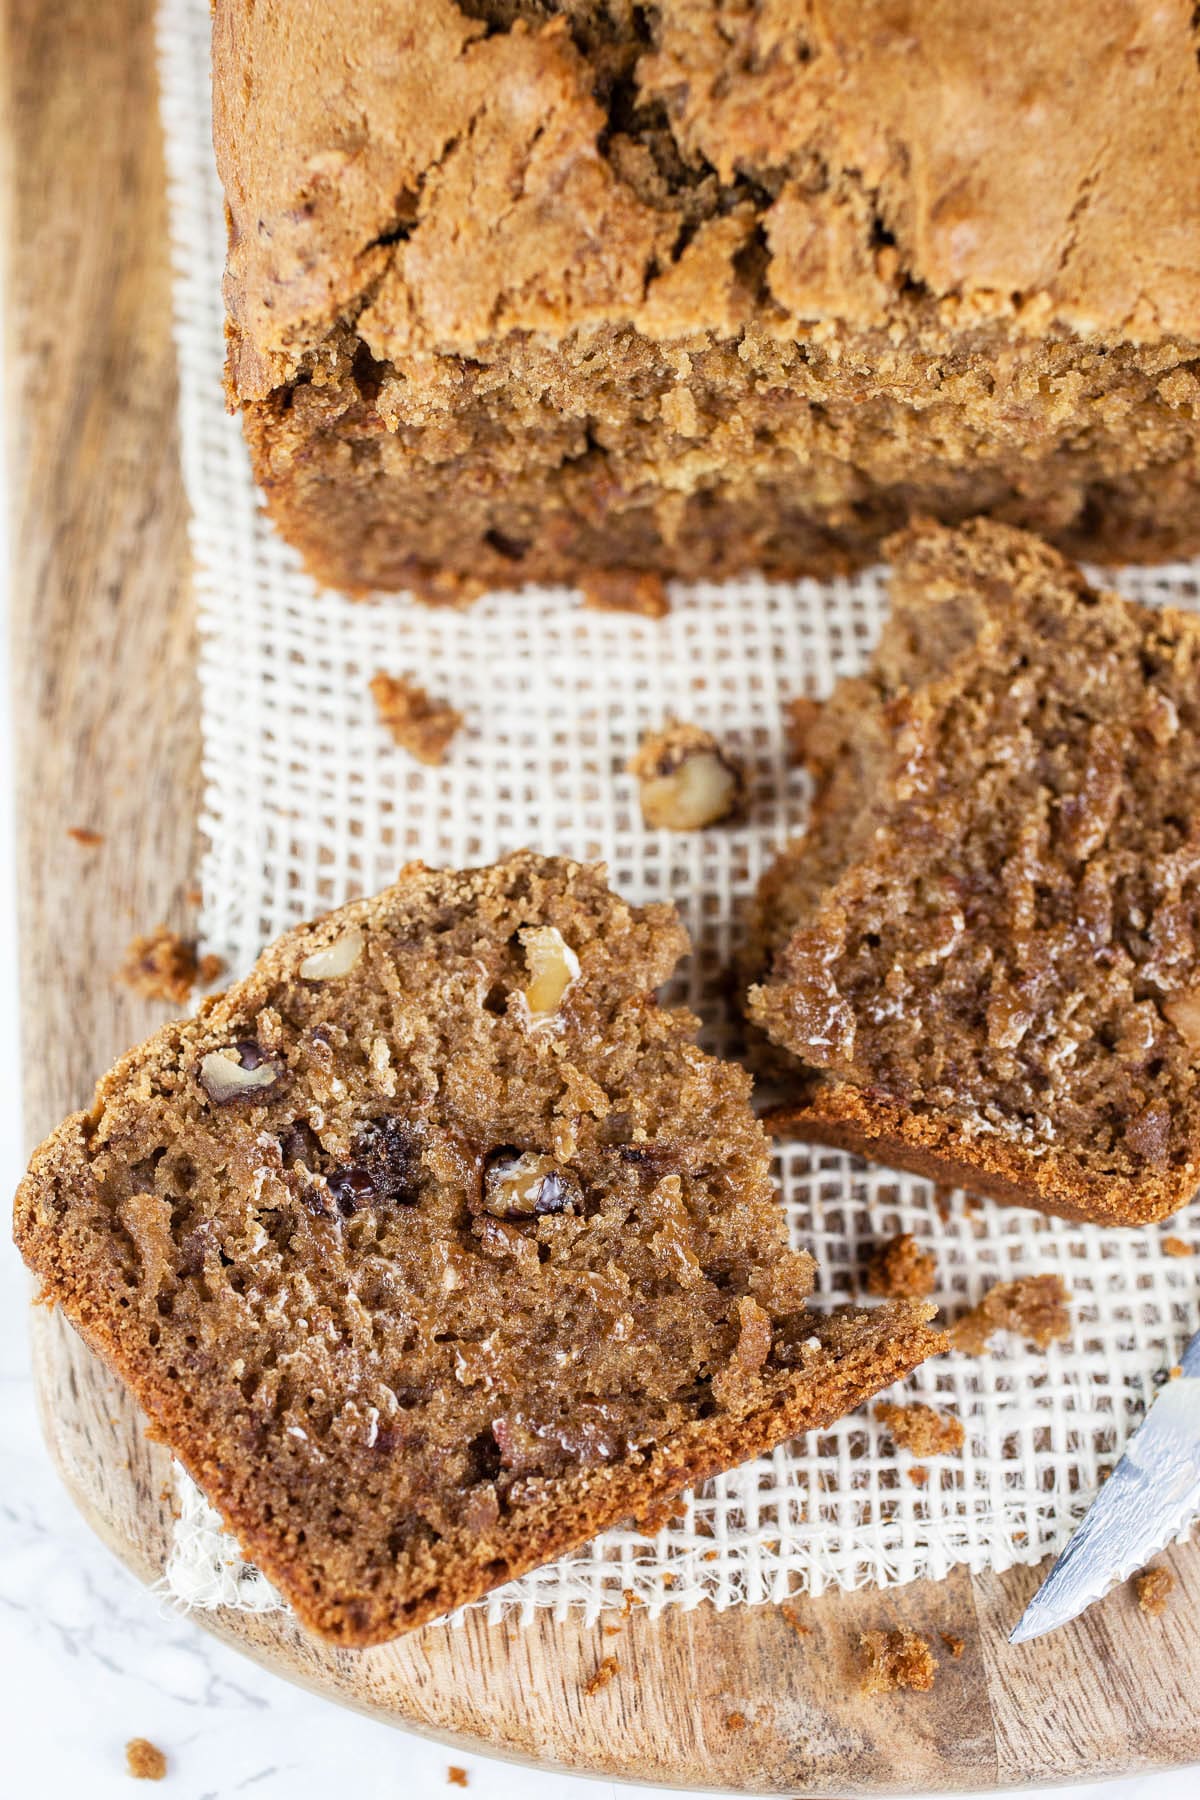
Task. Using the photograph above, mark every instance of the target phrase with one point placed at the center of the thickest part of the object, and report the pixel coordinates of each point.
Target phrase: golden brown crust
(376, 152)
(881, 1132)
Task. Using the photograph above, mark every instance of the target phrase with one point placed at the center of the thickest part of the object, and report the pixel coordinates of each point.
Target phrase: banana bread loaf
(986, 951)
(435, 1245)
(523, 288)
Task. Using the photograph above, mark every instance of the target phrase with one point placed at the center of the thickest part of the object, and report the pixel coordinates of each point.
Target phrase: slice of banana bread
(436, 1245)
(986, 951)
(523, 289)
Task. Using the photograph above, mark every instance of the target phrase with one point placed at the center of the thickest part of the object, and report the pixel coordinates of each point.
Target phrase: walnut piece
(1033, 1307)
(899, 1269)
(334, 959)
(895, 1659)
(553, 969)
(523, 1184)
(1183, 1012)
(240, 1072)
(164, 966)
(686, 780)
(921, 1429)
(144, 1760)
(419, 724)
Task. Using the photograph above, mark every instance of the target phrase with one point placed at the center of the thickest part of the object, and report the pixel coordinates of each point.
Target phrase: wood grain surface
(106, 736)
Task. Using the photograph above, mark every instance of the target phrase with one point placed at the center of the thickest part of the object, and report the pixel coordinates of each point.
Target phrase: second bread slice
(986, 952)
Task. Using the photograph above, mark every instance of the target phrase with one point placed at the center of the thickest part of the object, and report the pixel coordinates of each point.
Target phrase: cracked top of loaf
(446, 173)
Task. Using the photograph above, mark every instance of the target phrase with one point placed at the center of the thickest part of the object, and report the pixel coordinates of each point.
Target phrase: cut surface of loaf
(519, 289)
(436, 1245)
(986, 950)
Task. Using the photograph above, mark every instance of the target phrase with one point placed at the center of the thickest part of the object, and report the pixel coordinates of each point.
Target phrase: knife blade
(1150, 1497)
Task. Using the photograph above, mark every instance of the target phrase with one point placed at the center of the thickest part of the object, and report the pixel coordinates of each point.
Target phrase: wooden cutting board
(107, 741)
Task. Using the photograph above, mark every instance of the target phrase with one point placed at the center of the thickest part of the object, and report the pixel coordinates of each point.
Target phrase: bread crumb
(144, 1760)
(1175, 1371)
(954, 1644)
(736, 1721)
(921, 1429)
(686, 780)
(919, 1476)
(418, 724)
(895, 1659)
(1175, 1246)
(83, 834)
(603, 1675)
(1153, 1588)
(791, 1619)
(625, 590)
(900, 1270)
(164, 966)
(800, 714)
(455, 1776)
(1033, 1307)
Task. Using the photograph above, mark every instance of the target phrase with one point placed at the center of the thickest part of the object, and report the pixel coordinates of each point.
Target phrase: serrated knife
(1150, 1497)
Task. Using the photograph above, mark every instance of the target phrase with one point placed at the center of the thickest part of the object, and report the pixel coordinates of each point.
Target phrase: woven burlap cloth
(307, 802)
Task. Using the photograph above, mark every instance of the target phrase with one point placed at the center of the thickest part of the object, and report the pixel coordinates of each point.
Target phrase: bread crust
(879, 1131)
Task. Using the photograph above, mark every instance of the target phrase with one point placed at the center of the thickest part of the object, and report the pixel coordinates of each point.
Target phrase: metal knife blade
(1150, 1497)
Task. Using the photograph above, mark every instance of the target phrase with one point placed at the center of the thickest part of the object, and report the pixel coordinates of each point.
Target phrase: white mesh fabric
(307, 802)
